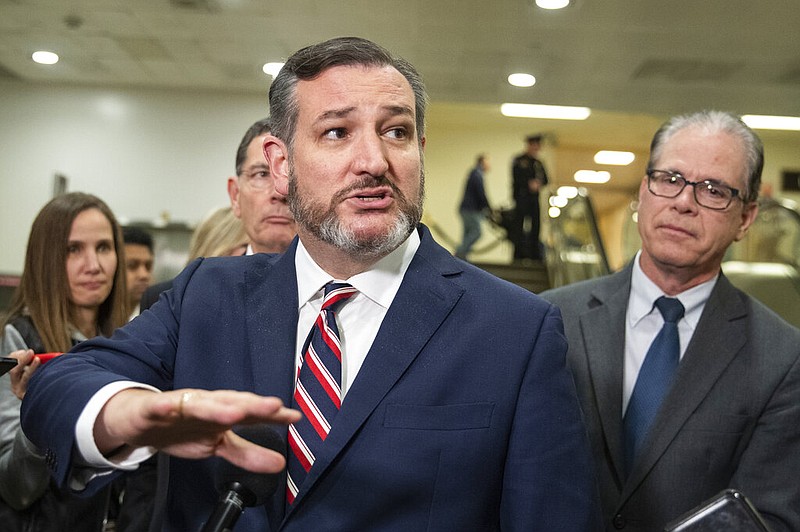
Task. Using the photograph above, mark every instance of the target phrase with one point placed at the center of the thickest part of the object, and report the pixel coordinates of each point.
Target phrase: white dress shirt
(643, 321)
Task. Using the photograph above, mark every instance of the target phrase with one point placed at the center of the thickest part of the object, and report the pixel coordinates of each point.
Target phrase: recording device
(729, 510)
(7, 364)
(240, 488)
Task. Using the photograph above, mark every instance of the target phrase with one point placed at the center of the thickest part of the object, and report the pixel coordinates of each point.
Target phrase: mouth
(676, 230)
(375, 198)
(279, 219)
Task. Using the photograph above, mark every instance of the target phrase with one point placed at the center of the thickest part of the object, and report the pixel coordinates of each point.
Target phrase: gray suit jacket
(731, 419)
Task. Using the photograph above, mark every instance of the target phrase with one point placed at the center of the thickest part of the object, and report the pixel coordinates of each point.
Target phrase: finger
(248, 455)
(222, 407)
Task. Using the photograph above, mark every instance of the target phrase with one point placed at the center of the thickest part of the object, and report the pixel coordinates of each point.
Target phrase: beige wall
(150, 153)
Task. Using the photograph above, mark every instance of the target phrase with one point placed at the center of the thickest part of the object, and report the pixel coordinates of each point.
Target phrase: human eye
(105, 246)
(716, 190)
(73, 248)
(335, 133)
(398, 133)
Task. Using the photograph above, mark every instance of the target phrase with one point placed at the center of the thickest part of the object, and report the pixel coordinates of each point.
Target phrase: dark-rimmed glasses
(708, 194)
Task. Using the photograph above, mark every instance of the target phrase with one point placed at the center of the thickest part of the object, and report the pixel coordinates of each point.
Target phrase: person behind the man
(139, 258)
(443, 400)
(528, 178)
(474, 206)
(264, 213)
(266, 218)
(725, 370)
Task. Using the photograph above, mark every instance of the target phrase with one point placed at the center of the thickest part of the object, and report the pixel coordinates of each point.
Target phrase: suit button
(619, 522)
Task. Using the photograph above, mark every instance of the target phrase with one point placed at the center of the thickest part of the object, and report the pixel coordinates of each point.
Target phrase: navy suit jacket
(463, 416)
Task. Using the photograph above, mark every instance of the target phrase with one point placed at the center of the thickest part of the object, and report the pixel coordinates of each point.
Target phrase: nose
(370, 155)
(686, 200)
(92, 261)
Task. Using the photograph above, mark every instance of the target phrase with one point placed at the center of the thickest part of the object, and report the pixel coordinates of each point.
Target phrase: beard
(322, 222)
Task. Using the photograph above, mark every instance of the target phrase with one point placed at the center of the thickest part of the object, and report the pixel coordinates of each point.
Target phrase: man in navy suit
(457, 410)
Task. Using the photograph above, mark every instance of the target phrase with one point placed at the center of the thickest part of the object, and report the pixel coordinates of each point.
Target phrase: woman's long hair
(43, 292)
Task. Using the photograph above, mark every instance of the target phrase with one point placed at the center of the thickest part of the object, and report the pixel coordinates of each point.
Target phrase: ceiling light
(45, 58)
(567, 192)
(618, 158)
(559, 112)
(558, 201)
(552, 4)
(592, 176)
(785, 123)
(272, 69)
(521, 80)
(554, 212)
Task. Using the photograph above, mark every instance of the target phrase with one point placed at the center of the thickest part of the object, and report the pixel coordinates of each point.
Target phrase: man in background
(528, 178)
(474, 206)
(139, 258)
(266, 218)
(688, 385)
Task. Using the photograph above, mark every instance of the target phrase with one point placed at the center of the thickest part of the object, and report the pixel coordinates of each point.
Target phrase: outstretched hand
(192, 423)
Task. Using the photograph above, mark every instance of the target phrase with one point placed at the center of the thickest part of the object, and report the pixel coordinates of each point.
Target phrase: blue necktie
(318, 392)
(654, 379)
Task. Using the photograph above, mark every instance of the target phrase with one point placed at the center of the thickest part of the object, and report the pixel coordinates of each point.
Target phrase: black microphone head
(254, 488)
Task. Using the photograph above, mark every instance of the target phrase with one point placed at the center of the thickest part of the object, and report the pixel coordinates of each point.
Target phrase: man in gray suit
(728, 414)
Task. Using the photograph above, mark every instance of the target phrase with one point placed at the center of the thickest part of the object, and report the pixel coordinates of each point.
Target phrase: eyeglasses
(258, 179)
(708, 194)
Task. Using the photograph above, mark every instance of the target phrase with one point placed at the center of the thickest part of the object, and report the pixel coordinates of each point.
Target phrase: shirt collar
(644, 292)
(380, 283)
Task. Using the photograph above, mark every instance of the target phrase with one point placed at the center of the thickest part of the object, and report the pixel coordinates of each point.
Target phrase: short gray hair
(713, 122)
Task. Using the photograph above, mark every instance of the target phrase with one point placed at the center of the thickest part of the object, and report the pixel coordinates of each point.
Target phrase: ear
(233, 194)
(643, 188)
(749, 213)
(278, 160)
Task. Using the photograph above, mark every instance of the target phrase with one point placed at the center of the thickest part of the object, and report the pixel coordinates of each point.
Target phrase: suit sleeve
(767, 470)
(141, 351)
(549, 481)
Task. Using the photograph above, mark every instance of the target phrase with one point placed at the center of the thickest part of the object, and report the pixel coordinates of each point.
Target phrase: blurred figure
(72, 288)
(529, 176)
(267, 221)
(474, 206)
(220, 234)
(138, 265)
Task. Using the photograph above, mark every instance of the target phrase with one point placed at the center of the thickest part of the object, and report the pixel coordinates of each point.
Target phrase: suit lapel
(717, 340)
(424, 301)
(271, 315)
(605, 355)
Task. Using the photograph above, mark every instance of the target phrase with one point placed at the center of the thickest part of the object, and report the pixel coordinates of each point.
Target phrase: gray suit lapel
(603, 329)
(717, 340)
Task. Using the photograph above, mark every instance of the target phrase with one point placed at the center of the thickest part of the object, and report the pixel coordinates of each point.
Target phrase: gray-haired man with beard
(433, 395)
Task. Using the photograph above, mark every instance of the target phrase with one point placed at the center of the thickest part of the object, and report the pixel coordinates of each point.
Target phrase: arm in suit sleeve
(549, 481)
(142, 351)
(768, 468)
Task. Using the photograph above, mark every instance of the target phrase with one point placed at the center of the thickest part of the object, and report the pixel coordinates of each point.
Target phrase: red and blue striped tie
(318, 392)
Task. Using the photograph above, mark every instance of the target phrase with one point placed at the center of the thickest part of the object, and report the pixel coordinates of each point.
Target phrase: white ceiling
(642, 58)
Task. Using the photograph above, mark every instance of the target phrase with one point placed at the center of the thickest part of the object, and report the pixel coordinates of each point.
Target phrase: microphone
(240, 488)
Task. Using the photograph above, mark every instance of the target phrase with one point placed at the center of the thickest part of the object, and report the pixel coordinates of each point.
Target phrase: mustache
(368, 182)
